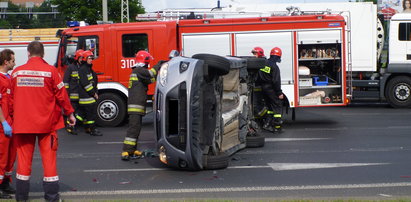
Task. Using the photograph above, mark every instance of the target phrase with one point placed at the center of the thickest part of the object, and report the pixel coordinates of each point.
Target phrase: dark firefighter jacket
(88, 84)
(71, 81)
(140, 77)
(270, 74)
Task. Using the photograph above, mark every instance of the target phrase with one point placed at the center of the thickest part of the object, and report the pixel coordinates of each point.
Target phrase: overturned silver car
(204, 109)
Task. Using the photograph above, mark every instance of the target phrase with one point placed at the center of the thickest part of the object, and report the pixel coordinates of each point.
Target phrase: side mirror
(173, 53)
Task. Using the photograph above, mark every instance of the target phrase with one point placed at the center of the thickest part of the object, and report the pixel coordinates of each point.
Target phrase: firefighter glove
(7, 129)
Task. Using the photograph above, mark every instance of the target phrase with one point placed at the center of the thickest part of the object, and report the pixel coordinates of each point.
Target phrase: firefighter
(270, 80)
(7, 147)
(38, 100)
(88, 94)
(140, 77)
(71, 82)
(258, 52)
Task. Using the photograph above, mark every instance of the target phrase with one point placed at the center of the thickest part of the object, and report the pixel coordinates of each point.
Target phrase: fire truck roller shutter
(217, 65)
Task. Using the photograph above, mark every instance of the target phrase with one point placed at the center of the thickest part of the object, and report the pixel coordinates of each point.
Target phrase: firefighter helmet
(78, 54)
(259, 51)
(87, 54)
(276, 51)
(143, 57)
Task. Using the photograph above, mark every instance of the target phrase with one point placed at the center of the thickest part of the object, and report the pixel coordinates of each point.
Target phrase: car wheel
(255, 141)
(215, 162)
(111, 110)
(398, 92)
(255, 63)
(217, 64)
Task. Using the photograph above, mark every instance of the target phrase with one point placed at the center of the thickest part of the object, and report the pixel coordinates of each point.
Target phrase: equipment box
(310, 100)
(320, 80)
(305, 81)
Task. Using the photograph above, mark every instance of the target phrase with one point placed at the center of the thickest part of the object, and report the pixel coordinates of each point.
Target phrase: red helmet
(78, 54)
(86, 54)
(259, 51)
(276, 51)
(143, 57)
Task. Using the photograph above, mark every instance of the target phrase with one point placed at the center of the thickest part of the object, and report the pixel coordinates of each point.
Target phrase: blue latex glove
(7, 129)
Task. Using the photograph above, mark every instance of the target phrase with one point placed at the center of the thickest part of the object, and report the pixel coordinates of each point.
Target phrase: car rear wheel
(254, 63)
(216, 162)
(217, 64)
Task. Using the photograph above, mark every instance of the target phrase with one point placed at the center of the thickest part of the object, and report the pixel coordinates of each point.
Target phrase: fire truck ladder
(182, 14)
(349, 56)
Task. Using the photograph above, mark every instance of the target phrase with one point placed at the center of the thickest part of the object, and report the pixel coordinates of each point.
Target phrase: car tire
(255, 141)
(217, 64)
(111, 110)
(254, 63)
(398, 92)
(215, 162)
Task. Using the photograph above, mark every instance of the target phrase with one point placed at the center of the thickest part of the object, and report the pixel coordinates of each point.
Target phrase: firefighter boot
(51, 191)
(136, 154)
(22, 190)
(125, 156)
(6, 187)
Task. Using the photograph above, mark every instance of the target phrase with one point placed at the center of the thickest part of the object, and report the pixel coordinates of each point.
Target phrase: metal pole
(105, 16)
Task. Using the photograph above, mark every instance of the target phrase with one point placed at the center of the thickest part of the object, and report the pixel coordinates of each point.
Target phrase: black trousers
(133, 131)
(88, 112)
(274, 103)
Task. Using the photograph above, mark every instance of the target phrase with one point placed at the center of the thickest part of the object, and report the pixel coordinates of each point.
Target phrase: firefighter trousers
(274, 105)
(48, 144)
(7, 156)
(133, 131)
(87, 113)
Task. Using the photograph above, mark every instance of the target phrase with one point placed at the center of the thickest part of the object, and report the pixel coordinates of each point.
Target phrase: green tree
(90, 11)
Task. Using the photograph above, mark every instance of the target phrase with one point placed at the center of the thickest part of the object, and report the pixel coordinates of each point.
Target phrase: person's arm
(6, 127)
(67, 77)
(85, 82)
(61, 96)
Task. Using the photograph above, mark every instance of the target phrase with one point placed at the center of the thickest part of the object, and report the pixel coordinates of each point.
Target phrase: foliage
(90, 11)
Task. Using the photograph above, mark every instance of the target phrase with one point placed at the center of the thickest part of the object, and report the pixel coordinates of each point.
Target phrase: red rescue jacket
(39, 94)
(5, 99)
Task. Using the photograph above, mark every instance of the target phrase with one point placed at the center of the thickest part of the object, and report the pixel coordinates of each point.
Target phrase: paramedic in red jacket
(7, 148)
(39, 98)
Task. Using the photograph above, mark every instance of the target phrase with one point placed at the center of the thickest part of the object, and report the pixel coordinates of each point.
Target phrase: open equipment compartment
(320, 62)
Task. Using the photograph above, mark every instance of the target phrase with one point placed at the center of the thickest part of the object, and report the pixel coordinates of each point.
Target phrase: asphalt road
(361, 151)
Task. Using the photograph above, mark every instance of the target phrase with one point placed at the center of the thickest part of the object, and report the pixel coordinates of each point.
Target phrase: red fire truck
(313, 67)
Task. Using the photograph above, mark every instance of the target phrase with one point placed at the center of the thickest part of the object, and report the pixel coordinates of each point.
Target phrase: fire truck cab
(313, 67)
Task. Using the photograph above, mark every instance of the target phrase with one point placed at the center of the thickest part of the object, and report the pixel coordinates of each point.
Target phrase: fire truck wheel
(398, 92)
(217, 64)
(111, 110)
(254, 63)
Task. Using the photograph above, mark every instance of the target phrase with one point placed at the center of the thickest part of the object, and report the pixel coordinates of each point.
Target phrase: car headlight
(163, 74)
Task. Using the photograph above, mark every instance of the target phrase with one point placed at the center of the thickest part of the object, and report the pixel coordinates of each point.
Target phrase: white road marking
(385, 195)
(302, 166)
(143, 142)
(228, 189)
(123, 170)
(274, 166)
(292, 139)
